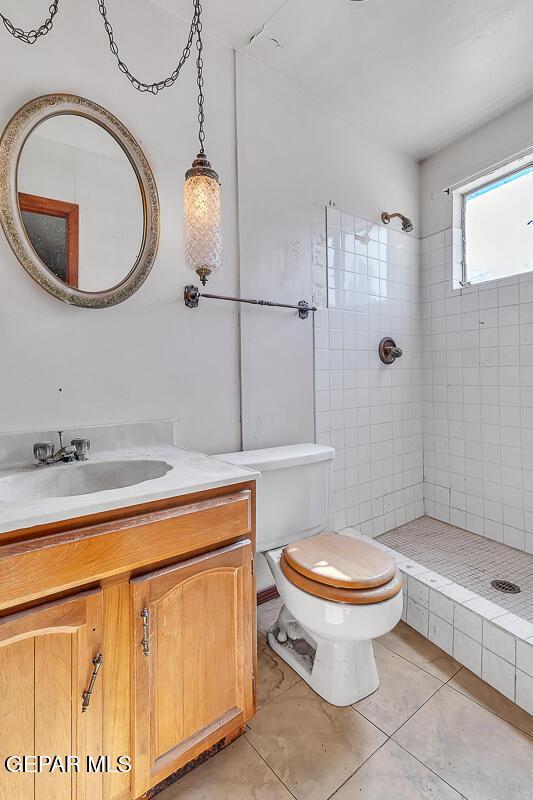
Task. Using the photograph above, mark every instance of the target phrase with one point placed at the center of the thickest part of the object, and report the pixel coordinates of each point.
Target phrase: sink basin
(69, 480)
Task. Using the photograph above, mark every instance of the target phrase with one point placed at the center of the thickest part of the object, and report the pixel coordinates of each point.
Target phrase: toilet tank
(293, 493)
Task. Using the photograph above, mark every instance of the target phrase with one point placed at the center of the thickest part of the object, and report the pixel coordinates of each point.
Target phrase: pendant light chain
(165, 83)
(195, 31)
(30, 37)
(200, 78)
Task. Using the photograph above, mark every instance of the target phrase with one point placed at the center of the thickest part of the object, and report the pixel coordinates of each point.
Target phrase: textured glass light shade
(203, 220)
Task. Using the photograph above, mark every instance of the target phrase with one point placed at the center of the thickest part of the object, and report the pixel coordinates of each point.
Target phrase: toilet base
(342, 673)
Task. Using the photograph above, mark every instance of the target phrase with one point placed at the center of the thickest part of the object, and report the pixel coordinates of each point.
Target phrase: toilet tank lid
(271, 458)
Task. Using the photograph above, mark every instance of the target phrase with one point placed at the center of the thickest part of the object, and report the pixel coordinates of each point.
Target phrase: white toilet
(338, 592)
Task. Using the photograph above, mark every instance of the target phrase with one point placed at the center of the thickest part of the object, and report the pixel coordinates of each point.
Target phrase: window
(498, 228)
(52, 227)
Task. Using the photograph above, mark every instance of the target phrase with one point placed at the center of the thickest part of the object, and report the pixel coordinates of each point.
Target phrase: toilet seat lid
(354, 597)
(336, 560)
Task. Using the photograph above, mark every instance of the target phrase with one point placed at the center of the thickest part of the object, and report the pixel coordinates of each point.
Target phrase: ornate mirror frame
(15, 134)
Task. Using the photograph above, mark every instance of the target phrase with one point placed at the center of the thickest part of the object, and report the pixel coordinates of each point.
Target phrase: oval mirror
(78, 201)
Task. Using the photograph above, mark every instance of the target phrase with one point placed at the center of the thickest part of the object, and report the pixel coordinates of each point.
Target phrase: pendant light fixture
(201, 196)
(202, 206)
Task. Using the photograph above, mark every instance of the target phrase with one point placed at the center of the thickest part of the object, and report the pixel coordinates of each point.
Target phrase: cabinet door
(46, 664)
(194, 650)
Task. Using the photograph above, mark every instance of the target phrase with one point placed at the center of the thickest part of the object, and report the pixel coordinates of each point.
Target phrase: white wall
(149, 357)
(294, 157)
(501, 138)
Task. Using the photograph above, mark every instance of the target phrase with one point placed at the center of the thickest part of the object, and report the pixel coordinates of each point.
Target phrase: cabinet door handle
(145, 641)
(97, 663)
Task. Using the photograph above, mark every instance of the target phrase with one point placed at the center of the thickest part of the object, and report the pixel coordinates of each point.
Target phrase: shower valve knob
(388, 351)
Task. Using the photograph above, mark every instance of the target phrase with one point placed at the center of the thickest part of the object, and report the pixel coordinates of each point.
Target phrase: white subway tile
(499, 642)
(484, 608)
(524, 691)
(498, 673)
(524, 656)
(417, 617)
(441, 633)
(468, 622)
(516, 625)
(441, 605)
(418, 592)
(467, 652)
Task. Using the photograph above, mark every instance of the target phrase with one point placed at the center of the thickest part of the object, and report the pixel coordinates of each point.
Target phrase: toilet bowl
(338, 592)
(328, 642)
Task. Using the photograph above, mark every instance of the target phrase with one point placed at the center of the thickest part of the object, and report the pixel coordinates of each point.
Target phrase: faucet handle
(82, 448)
(388, 351)
(42, 451)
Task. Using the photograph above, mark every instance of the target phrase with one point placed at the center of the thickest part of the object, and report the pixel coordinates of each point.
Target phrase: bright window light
(498, 228)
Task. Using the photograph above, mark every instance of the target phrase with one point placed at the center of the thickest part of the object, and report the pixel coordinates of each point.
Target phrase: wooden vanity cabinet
(166, 594)
(192, 659)
(46, 663)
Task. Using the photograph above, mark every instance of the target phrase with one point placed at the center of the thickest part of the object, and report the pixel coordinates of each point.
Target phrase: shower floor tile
(468, 559)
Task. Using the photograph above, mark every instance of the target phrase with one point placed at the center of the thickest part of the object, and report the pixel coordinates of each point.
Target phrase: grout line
(467, 571)
(390, 735)
(431, 770)
(387, 740)
(372, 722)
(418, 709)
(269, 767)
(280, 694)
(445, 655)
(482, 705)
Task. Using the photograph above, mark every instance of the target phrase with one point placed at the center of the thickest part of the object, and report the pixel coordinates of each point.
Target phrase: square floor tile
(473, 687)
(476, 752)
(406, 642)
(403, 688)
(313, 747)
(393, 773)
(237, 773)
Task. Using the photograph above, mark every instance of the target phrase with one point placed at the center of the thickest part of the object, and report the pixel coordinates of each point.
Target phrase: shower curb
(491, 642)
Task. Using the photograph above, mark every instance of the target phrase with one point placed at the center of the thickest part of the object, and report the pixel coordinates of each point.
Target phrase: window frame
(49, 207)
(520, 165)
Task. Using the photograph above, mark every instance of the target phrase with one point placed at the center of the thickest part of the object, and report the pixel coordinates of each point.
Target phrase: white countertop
(191, 472)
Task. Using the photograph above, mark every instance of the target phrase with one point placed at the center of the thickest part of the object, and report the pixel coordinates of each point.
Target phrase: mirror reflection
(80, 202)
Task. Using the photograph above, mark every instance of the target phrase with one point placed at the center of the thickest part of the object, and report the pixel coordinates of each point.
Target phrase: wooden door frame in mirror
(12, 142)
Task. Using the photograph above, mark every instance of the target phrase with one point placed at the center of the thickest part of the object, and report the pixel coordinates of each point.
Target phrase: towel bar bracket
(192, 297)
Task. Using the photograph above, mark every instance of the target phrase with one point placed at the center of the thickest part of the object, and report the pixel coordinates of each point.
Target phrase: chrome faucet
(45, 452)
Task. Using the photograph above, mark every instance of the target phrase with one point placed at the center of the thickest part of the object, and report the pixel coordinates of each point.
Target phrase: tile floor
(432, 731)
(468, 559)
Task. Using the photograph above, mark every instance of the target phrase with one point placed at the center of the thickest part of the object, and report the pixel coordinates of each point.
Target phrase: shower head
(407, 225)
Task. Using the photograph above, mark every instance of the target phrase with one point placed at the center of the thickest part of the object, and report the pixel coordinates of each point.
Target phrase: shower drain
(506, 586)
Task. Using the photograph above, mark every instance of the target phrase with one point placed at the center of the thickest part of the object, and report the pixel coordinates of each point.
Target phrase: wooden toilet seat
(341, 569)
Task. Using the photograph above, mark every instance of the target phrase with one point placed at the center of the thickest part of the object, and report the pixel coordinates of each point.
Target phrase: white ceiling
(418, 73)
(231, 21)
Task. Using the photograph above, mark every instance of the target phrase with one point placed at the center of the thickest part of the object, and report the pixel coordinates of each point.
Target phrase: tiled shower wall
(478, 398)
(367, 283)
